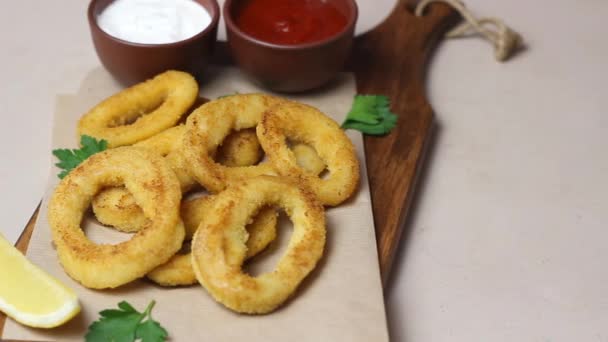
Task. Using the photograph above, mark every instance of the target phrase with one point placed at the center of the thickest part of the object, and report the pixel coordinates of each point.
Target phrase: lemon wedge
(29, 295)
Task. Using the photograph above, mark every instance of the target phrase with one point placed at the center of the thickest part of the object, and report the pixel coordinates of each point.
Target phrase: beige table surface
(508, 234)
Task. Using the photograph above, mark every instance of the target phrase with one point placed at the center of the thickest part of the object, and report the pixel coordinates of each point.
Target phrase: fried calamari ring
(210, 124)
(142, 110)
(164, 142)
(240, 148)
(178, 270)
(176, 161)
(155, 189)
(308, 159)
(116, 207)
(262, 229)
(300, 122)
(219, 249)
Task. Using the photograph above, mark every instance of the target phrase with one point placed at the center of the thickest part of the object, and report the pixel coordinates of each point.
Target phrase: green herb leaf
(371, 114)
(69, 159)
(126, 325)
(126, 307)
(114, 325)
(151, 331)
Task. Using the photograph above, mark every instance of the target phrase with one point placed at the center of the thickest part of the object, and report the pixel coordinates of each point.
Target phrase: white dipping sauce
(154, 21)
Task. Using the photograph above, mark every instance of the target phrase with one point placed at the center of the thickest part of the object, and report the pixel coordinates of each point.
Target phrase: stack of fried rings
(275, 120)
(132, 202)
(117, 208)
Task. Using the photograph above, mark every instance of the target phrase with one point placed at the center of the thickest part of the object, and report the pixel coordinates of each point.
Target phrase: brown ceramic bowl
(131, 63)
(291, 68)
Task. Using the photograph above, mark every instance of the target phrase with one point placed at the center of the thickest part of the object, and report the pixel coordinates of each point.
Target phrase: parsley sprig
(126, 325)
(371, 114)
(69, 159)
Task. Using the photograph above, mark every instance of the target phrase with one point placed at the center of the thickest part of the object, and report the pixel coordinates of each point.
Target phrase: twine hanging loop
(505, 40)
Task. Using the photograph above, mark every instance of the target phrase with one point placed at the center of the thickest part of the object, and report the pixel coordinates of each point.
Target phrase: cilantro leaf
(126, 325)
(69, 159)
(371, 114)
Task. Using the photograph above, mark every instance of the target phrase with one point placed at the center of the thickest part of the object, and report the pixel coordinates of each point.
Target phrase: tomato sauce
(289, 22)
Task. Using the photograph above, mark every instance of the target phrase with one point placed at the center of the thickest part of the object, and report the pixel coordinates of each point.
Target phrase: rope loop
(505, 40)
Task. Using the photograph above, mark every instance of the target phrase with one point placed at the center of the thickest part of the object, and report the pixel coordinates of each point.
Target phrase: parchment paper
(340, 301)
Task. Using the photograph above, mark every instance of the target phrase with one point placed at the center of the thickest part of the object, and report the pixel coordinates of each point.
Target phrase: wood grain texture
(389, 60)
(392, 60)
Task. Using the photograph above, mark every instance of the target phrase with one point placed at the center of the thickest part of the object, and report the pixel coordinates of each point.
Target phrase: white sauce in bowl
(154, 21)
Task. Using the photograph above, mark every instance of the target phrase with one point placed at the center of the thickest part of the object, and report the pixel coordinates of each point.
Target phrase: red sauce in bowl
(290, 22)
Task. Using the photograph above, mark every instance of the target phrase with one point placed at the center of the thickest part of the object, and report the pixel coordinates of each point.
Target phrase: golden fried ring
(142, 110)
(308, 159)
(176, 161)
(219, 249)
(241, 148)
(210, 124)
(164, 142)
(262, 229)
(116, 207)
(303, 123)
(155, 189)
(178, 270)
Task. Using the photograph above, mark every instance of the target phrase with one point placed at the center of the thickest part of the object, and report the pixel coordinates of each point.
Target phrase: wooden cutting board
(389, 60)
(392, 60)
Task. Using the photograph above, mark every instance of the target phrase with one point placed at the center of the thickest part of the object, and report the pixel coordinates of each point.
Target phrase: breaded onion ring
(219, 245)
(300, 122)
(210, 124)
(116, 207)
(178, 270)
(155, 189)
(142, 110)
